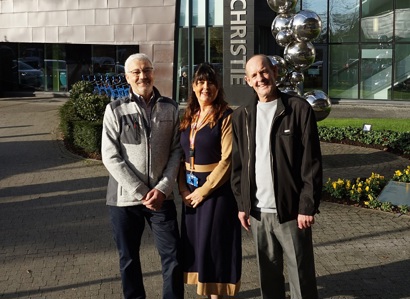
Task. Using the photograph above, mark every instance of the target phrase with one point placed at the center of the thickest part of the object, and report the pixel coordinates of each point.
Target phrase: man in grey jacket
(141, 151)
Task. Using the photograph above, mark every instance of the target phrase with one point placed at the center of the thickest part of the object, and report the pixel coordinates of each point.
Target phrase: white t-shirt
(265, 193)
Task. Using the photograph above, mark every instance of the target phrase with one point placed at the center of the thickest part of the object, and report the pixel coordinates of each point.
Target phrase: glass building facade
(362, 53)
(55, 67)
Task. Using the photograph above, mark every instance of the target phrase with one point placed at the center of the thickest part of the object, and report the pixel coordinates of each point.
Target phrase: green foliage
(79, 88)
(386, 206)
(403, 209)
(338, 189)
(90, 107)
(373, 204)
(87, 136)
(365, 192)
(378, 124)
(402, 175)
(81, 117)
(67, 117)
(392, 140)
(361, 191)
(391, 134)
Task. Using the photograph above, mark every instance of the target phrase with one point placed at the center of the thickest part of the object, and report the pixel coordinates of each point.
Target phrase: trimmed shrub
(398, 142)
(87, 136)
(90, 107)
(79, 88)
(81, 118)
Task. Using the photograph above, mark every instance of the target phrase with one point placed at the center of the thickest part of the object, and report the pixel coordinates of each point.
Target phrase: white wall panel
(51, 18)
(6, 6)
(99, 34)
(81, 17)
(149, 15)
(25, 5)
(141, 3)
(120, 16)
(39, 34)
(172, 2)
(160, 32)
(18, 34)
(113, 3)
(92, 4)
(124, 33)
(20, 19)
(50, 5)
(5, 20)
(52, 34)
(72, 34)
(90, 13)
(102, 17)
(140, 34)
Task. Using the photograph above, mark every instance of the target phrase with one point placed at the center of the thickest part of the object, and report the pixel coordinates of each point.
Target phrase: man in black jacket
(277, 181)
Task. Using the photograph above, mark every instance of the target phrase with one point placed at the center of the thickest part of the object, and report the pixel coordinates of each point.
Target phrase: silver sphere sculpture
(306, 26)
(296, 78)
(282, 6)
(281, 22)
(281, 68)
(300, 55)
(284, 38)
(291, 90)
(320, 103)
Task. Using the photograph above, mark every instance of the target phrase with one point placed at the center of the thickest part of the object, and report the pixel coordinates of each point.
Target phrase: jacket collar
(282, 103)
(133, 98)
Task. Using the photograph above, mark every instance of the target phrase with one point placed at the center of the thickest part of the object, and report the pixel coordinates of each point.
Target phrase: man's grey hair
(136, 56)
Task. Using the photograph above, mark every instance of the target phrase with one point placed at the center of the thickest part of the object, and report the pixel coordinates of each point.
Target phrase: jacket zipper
(149, 141)
(249, 151)
(272, 158)
(147, 133)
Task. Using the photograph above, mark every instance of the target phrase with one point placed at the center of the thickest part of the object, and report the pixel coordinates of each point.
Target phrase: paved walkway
(55, 238)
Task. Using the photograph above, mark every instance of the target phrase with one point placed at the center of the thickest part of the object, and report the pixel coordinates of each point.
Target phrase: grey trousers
(277, 242)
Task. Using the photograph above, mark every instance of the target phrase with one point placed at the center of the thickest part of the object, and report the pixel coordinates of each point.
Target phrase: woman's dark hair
(205, 72)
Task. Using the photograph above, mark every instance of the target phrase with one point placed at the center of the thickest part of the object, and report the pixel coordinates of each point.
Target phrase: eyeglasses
(138, 72)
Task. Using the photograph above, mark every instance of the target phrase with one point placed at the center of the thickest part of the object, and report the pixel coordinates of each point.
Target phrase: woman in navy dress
(210, 228)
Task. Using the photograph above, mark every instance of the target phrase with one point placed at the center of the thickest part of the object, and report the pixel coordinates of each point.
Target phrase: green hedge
(81, 118)
(87, 136)
(398, 142)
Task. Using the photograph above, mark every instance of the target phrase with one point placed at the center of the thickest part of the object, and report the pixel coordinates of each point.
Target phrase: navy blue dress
(211, 233)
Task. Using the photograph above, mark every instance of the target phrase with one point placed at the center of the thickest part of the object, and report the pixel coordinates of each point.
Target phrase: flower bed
(365, 192)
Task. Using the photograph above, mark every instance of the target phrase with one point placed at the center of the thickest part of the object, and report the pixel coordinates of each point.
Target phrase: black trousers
(128, 225)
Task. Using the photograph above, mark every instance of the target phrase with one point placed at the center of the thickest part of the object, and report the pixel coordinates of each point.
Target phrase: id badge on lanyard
(191, 179)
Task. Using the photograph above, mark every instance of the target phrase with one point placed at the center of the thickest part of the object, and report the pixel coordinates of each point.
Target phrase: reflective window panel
(29, 66)
(344, 21)
(377, 20)
(376, 71)
(343, 71)
(401, 86)
(402, 21)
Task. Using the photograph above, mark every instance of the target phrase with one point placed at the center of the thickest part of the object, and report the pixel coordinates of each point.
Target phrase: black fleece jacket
(295, 157)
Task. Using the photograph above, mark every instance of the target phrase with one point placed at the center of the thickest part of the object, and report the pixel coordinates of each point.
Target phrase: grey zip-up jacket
(139, 157)
(296, 158)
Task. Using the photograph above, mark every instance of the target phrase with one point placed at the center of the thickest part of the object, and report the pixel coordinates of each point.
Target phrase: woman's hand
(195, 198)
